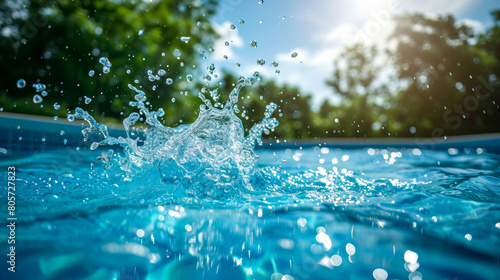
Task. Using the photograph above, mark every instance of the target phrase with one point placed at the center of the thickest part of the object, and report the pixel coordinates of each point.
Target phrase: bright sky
(316, 30)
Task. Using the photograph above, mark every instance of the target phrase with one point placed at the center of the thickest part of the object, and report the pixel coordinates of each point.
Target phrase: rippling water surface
(318, 213)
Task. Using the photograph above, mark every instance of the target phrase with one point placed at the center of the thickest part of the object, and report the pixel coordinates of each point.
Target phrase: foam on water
(212, 155)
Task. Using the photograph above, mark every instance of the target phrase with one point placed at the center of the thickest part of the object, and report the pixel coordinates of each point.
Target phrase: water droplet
(233, 27)
(241, 21)
(260, 21)
(277, 71)
(71, 117)
(105, 69)
(140, 233)
(91, 73)
(238, 65)
(21, 83)
(261, 61)
(94, 146)
(57, 106)
(87, 100)
(65, 141)
(274, 63)
(173, 99)
(56, 117)
(283, 17)
(128, 71)
(253, 44)
(185, 39)
(37, 99)
(169, 81)
(350, 249)
(294, 54)
(105, 61)
(211, 49)
(207, 78)
(189, 78)
(198, 23)
(225, 57)
(176, 52)
(140, 32)
(336, 260)
(261, 1)
(44, 93)
(211, 68)
(380, 274)
(39, 87)
(226, 43)
(162, 72)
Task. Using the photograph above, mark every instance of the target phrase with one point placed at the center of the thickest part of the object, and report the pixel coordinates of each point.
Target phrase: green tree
(58, 42)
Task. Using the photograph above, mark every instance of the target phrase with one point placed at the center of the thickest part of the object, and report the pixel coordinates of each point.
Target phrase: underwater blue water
(197, 201)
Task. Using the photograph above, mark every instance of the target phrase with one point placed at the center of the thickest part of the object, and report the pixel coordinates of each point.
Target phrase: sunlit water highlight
(198, 202)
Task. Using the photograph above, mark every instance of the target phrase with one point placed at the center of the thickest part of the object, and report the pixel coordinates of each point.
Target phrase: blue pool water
(309, 220)
(198, 202)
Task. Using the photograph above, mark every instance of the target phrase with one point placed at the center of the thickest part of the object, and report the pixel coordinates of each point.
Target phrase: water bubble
(169, 81)
(65, 141)
(162, 72)
(57, 106)
(128, 71)
(233, 27)
(253, 44)
(91, 73)
(207, 78)
(261, 61)
(226, 43)
(87, 100)
(294, 54)
(185, 39)
(350, 249)
(380, 274)
(37, 99)
(283, 17)
(140, 233)
(44, 93)
(468, 236)
(274, 63)
(198, 23)
(189, 78)
(238, 65)
(241, 21)
(105, 69)
(71, 117)
(173, 99)
(21, 83)
(140, 32)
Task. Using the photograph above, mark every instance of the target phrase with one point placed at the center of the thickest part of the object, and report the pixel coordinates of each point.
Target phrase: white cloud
(226, 35)
(477, 26)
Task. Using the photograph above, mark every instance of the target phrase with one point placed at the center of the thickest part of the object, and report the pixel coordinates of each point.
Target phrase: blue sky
(316, 30)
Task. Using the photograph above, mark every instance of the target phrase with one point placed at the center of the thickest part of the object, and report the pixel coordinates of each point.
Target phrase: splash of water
(210, 157)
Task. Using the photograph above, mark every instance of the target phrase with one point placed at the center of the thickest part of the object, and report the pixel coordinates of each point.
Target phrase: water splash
(211, 156)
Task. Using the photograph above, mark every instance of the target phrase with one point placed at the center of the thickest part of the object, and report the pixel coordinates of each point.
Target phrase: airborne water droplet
(207, 78)
(225, 57)
(241, 21)
(44, 93)
(169, 81)
(294, 54)
(261, 1)
(162, 72)
(140, 32)
(189, 78)
(211, 49)
(185, 39)
(253, 44)
(238, 65)
(87, 100)
(91, 73)
(21, 83)
(261, 61)
(37, 99)
(274, 63)
(233, 27)
(57, 106)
